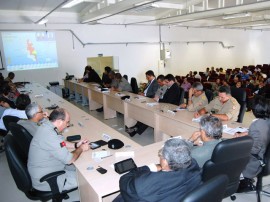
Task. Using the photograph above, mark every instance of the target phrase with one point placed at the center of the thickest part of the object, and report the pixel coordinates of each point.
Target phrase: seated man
(152, 85)
(35, 116)
(10, 79)
(172, 95)
(170, 180)
(5, 95)
(259, 130)
(210, 134)
(196, 98)
(21, 103)
(48, 153)
(123, 84)
(225, 107)
(161, 89)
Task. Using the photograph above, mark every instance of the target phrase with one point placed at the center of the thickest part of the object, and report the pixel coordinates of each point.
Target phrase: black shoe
(132, 131)
(245, 185)
(99, 109)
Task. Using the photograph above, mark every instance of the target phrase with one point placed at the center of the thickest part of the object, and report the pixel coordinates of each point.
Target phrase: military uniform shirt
(47, 155)
(198, 102)
(231, 108)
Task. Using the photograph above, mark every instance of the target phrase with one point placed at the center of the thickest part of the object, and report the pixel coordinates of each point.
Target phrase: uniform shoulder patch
(62, 144)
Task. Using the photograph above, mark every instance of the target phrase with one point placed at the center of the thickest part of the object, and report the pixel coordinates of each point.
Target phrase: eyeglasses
(40, 112)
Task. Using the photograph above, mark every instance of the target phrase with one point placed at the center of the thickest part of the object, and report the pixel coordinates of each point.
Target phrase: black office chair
(265, 172)
(240, 95)
(7, 119)
(134, 85)
(229, 157)
(22, 137)
(126, 77)
(181, 97)
(209, 94)
(10, 119)
(210, 191)
(18, 166)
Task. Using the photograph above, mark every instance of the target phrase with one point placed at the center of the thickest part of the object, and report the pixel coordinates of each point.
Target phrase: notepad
(232, 131)
(100, 154)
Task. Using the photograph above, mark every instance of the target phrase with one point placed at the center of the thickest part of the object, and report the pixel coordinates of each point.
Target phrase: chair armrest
(51, 178)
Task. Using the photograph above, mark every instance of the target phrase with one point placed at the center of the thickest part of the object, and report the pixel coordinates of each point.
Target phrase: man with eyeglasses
(49, 153)
(196, 98)
(205, 140)
(35, 117)
(176, 174)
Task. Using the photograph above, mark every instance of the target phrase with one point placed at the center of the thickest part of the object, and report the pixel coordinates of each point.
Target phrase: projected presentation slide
(29, 50)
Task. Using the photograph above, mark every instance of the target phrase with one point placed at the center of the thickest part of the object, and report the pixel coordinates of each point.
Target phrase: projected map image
(29, 50)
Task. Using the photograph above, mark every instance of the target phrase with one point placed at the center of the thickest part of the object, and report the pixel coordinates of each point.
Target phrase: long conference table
(96, 187)
(162, 117)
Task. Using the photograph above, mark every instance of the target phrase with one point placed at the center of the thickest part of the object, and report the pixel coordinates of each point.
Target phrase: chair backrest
(22, 137)
(8, 119)
(240, 95)
(181, 97)
(212, 190)
(229, 157)
(134, 85)
(126, 77)
(17, 164)
(209, 94)
(266, 169)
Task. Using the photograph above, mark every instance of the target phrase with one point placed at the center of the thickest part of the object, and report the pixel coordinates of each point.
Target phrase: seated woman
(259, 131)
(90, 75)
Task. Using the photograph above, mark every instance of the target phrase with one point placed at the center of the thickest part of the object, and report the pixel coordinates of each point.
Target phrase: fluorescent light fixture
(141, 3)
(167, 5)
(43, 21)
(237, 15)
(160, 5)
(72, 3)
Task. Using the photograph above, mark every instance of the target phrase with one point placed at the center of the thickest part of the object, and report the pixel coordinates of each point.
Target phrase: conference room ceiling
(227, 14)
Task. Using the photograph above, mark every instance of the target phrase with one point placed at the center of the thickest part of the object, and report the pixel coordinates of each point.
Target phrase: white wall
(250, 47)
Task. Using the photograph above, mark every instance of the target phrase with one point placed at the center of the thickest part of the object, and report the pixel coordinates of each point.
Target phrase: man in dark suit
(170, 180)
(172, 94)
(152, 85)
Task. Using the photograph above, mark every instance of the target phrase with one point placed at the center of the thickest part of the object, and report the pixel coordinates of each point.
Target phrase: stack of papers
(100, 154)
(232, 131)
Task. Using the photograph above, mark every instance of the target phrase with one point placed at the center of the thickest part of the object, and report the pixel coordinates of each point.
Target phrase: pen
(106, 156)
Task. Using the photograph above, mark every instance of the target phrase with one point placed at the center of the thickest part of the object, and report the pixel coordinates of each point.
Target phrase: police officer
(48, 153)
(224, 106)
(197, 98)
